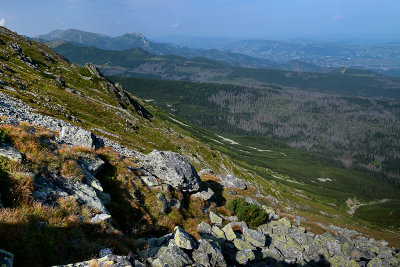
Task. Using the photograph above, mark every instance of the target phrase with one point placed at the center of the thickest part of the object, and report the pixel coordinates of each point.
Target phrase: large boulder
(254, 237)
(172, 169)
(79, 137)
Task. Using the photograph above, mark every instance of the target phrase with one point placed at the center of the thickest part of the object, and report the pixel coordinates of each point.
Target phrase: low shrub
(252, 214)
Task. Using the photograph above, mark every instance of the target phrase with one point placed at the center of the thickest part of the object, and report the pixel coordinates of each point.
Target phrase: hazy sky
(268, 19)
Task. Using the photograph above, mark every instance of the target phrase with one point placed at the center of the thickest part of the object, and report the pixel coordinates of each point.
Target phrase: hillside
(138, 63)
(79, 174)
(137, 40)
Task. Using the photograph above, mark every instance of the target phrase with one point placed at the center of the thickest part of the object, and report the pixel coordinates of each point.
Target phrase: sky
(261, 19)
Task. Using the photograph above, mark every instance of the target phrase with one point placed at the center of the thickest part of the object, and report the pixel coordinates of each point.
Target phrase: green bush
(2, 136)
(252, 214)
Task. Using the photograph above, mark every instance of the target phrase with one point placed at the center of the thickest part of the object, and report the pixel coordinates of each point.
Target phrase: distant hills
(131, 40)
(136, 62)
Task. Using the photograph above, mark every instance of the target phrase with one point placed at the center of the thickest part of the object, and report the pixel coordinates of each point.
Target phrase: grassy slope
(42, 93)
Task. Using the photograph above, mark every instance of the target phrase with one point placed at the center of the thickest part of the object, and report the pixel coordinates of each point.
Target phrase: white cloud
(176, 25)
(2, 22)
(337, 17)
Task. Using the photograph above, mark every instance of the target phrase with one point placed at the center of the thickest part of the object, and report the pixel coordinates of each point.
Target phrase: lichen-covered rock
(232, 181)
(171, 256)
(183, 239)
(109, 260)
(288, 247)
(172, 169)
(80, 137)
(229, 233)
(341, 261)
(254, 237)
(243, 245)
(206, 195)
(6, 258)
(244, 256)
(217, 232)
(209, 254)
(271, 213)
(204, 228)
(215, 219)
(206, 171)
(9, 152)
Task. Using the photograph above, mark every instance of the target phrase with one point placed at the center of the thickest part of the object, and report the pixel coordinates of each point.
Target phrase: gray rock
(6, 258)
(9, 152)
(183, 239)
(218, 233)
(206, 195)
(98, 218)
(171, 256)
(231, 218)
(232, 181)
(150, 181)
(209, 254)
(163, 202)
(172, 169)
(288, 247)
(244, 256)
(229, 233)
(240, 244)
(79, 137)
(92, 163)
(271, 213)
(206, 171)
(249, 200)
(92, 181)
(204, 228)
(241, 225)
(215, 219)
(254, 237)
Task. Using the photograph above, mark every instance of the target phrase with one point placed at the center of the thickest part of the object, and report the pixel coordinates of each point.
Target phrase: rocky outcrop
(79, 137)
(172, 169)
(206, 195)
(232, 181)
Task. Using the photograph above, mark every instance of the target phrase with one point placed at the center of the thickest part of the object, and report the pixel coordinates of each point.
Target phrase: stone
(341, 261)
(271, 213)
(98, 218)
(244, 256)
(163, 202)
(240, 225)
(217, 232)
(249, 200)
(243, 245)
(171, 256)
(91, 163)
(206, 195)
(104, 252)
(92, 181)
(209, 254)
(271, 253)
(172, 169)
(288, 247)
(232, 181)
(215, 219)
(150, 181)
(204, 228)
(183, 239)
(229, 233)
(6, 258)
(9, 152)
(79, 137)
(254, 237)
(231, 218)
(206, 171)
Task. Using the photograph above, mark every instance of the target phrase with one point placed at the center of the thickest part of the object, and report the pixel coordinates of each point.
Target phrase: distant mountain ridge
(131, 40)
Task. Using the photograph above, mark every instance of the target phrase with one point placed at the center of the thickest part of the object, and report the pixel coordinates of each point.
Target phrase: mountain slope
(75, 178)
